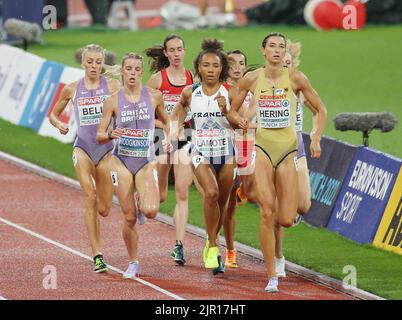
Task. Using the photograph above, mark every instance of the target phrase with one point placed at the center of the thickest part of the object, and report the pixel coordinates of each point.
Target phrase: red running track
(41, 224)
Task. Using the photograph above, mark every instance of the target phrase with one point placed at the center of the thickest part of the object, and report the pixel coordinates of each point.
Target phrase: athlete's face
(237, 63)
(93, 63)
(175, 52)
(210, 68)
(287, 60)
(132, 71)
(274, 50)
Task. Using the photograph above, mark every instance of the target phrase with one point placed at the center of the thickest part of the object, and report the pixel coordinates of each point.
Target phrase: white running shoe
(297, 220)
(280, 267)
(141, 218)
(272, 285)
(132, 271)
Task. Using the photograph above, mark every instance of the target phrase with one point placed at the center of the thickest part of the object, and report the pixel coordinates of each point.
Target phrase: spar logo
(91, 101)
(393, 236)
(136, 133)
(205, 133)
(285, 103)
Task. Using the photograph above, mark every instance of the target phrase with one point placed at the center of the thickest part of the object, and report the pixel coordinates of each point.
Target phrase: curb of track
(242, 248)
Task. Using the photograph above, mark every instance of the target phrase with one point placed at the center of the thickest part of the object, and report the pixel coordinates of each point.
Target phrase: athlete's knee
(104, 209)
(286, 222)
(163, 195)
(251, 195)
(181, 194)
(150, 211)
(130, 219)
(211, 195)
(304, 207)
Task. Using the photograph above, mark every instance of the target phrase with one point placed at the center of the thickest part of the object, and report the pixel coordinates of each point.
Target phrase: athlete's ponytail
(214, 46)
(159, 60)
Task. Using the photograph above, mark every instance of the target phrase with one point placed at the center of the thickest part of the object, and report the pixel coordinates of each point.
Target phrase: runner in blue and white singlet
(212, 135)
(212, 147)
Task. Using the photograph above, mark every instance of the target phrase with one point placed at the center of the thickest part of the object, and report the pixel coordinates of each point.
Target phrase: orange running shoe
(241, 198)
(231, 259)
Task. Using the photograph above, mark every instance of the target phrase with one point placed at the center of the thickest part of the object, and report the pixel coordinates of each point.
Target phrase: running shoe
(241, 198)
(178, 254)
(272, 285)
(220, 268)
(141, 218)
(231, 259)
(297, 220)
(99, 265)
(280, 267)
(212, 261)
(132, 271)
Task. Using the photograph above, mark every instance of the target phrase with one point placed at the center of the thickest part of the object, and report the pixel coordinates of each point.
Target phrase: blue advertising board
(42, 94)
(364, 195)
(326, 177)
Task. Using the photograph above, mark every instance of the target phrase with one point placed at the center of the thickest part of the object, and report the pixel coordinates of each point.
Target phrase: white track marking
(84, 256)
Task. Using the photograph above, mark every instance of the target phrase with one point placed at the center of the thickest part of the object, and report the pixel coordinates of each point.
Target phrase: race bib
(90, 110)
(170, 101)
(274, 110)
(113, 175)
(299, 117)
(212, 142)
(135, 143)
(197, 160)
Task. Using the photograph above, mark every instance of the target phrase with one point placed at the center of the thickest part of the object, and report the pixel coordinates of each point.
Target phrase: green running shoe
(211, 261)
(99, 265)
(178, 255)
(221, 267)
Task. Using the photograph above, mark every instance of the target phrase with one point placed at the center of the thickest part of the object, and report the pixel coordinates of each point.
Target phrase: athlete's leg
(265, 190)
(229, 223)
(286, 185)
(146, 181)
(85, 171)
(225, 181)
(104, 186)
(304, 187)
(207, 181)
(183, 174)
(163, 167)
(125, 194)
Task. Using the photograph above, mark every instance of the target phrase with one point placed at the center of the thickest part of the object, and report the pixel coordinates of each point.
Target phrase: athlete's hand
(115, 133)
(221, 102)
(243, 123)
(167, 146)
(315, 148)
(63, 128)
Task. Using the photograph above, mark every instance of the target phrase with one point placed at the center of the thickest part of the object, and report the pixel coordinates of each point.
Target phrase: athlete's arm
(65, 96)
(303, 85)
(236, 98)
(251, 113)
(155, 81)
(160, 110)
(179, 112)
(104, 134)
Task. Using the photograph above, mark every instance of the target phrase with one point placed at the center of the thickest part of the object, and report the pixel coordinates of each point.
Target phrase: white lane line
(82, 255)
